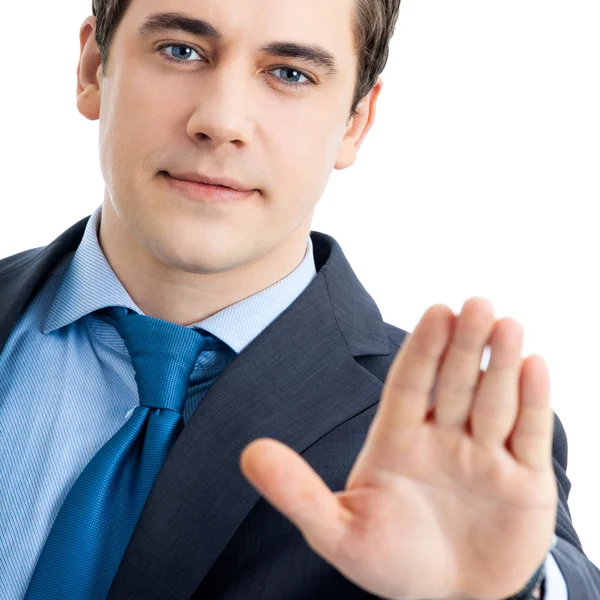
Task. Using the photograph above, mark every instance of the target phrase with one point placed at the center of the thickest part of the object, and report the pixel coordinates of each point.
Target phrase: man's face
(228, 109)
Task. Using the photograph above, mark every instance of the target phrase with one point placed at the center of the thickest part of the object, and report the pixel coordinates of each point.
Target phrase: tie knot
(163, 355)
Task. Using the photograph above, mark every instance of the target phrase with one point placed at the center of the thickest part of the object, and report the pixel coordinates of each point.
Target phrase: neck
(163, 289)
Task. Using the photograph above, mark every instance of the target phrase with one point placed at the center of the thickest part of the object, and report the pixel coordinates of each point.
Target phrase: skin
(454, 499)
(228, 113)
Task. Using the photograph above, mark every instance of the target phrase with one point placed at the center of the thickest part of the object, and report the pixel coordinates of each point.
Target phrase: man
(316, 460)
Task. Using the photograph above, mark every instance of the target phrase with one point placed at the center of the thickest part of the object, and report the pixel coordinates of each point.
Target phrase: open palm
(453, 495)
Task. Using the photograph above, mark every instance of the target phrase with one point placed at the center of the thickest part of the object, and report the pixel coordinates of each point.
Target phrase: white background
(479, 177)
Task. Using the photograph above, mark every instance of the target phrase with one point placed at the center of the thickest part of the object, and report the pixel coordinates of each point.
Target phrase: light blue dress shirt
(67, 386)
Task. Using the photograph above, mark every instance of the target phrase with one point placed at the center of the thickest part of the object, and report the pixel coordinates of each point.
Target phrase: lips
(206, 193)
(225, 182)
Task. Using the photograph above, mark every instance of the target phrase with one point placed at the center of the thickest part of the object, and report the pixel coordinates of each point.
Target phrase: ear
(89, 71)
(358, 126)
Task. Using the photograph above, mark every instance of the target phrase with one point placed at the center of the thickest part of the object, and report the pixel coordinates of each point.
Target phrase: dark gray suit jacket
(311, 379)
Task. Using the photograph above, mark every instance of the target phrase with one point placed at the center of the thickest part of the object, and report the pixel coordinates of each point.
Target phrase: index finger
(412, 374)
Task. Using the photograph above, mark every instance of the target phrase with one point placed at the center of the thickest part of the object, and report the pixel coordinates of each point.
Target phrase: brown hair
(373, 25)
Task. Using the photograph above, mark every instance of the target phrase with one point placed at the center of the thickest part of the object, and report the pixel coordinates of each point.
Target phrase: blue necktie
(95, 522)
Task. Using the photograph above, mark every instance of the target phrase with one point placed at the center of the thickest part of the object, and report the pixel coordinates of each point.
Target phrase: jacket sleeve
(582, 577)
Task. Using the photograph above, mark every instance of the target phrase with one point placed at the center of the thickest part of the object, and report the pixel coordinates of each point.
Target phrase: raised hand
(453, 495)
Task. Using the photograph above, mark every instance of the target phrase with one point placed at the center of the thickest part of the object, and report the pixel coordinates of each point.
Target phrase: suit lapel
(21, 275)
(295, 382)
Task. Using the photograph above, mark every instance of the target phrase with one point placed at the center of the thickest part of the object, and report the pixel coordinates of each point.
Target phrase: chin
(197, 256)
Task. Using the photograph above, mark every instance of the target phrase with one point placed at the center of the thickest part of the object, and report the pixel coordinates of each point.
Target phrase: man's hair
(373, 25)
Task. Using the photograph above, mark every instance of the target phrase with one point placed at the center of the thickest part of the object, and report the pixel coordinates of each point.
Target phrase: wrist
(534, 588)
(538, 593)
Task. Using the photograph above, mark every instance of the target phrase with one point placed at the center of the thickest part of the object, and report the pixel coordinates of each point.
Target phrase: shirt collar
(88, 284)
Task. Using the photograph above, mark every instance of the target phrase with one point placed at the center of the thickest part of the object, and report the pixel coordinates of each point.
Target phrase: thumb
(291, 485)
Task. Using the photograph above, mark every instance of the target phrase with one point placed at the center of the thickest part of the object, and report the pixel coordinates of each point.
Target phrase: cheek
(305, 155)
(129, 134)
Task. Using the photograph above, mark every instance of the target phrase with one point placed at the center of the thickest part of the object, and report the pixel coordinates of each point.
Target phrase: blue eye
(292, 70)
(178, 58)
(181, 60)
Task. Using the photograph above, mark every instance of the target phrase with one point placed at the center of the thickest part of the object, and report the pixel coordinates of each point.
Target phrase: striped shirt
(67, 386)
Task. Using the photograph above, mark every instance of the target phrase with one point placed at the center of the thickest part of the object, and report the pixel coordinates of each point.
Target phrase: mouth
(217, 180)
(200, 182)
(203, 192)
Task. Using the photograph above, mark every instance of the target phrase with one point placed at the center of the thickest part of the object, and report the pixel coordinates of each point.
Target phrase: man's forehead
(309, 22)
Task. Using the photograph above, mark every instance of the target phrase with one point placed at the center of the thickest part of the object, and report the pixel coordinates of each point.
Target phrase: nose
(222, 113)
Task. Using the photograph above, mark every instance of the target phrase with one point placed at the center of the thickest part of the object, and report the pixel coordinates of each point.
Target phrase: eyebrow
(169, 21)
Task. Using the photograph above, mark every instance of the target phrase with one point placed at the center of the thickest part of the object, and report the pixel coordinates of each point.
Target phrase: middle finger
(460, 370)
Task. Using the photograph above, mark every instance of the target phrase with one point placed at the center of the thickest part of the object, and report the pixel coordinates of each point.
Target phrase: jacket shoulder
(13, 262)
